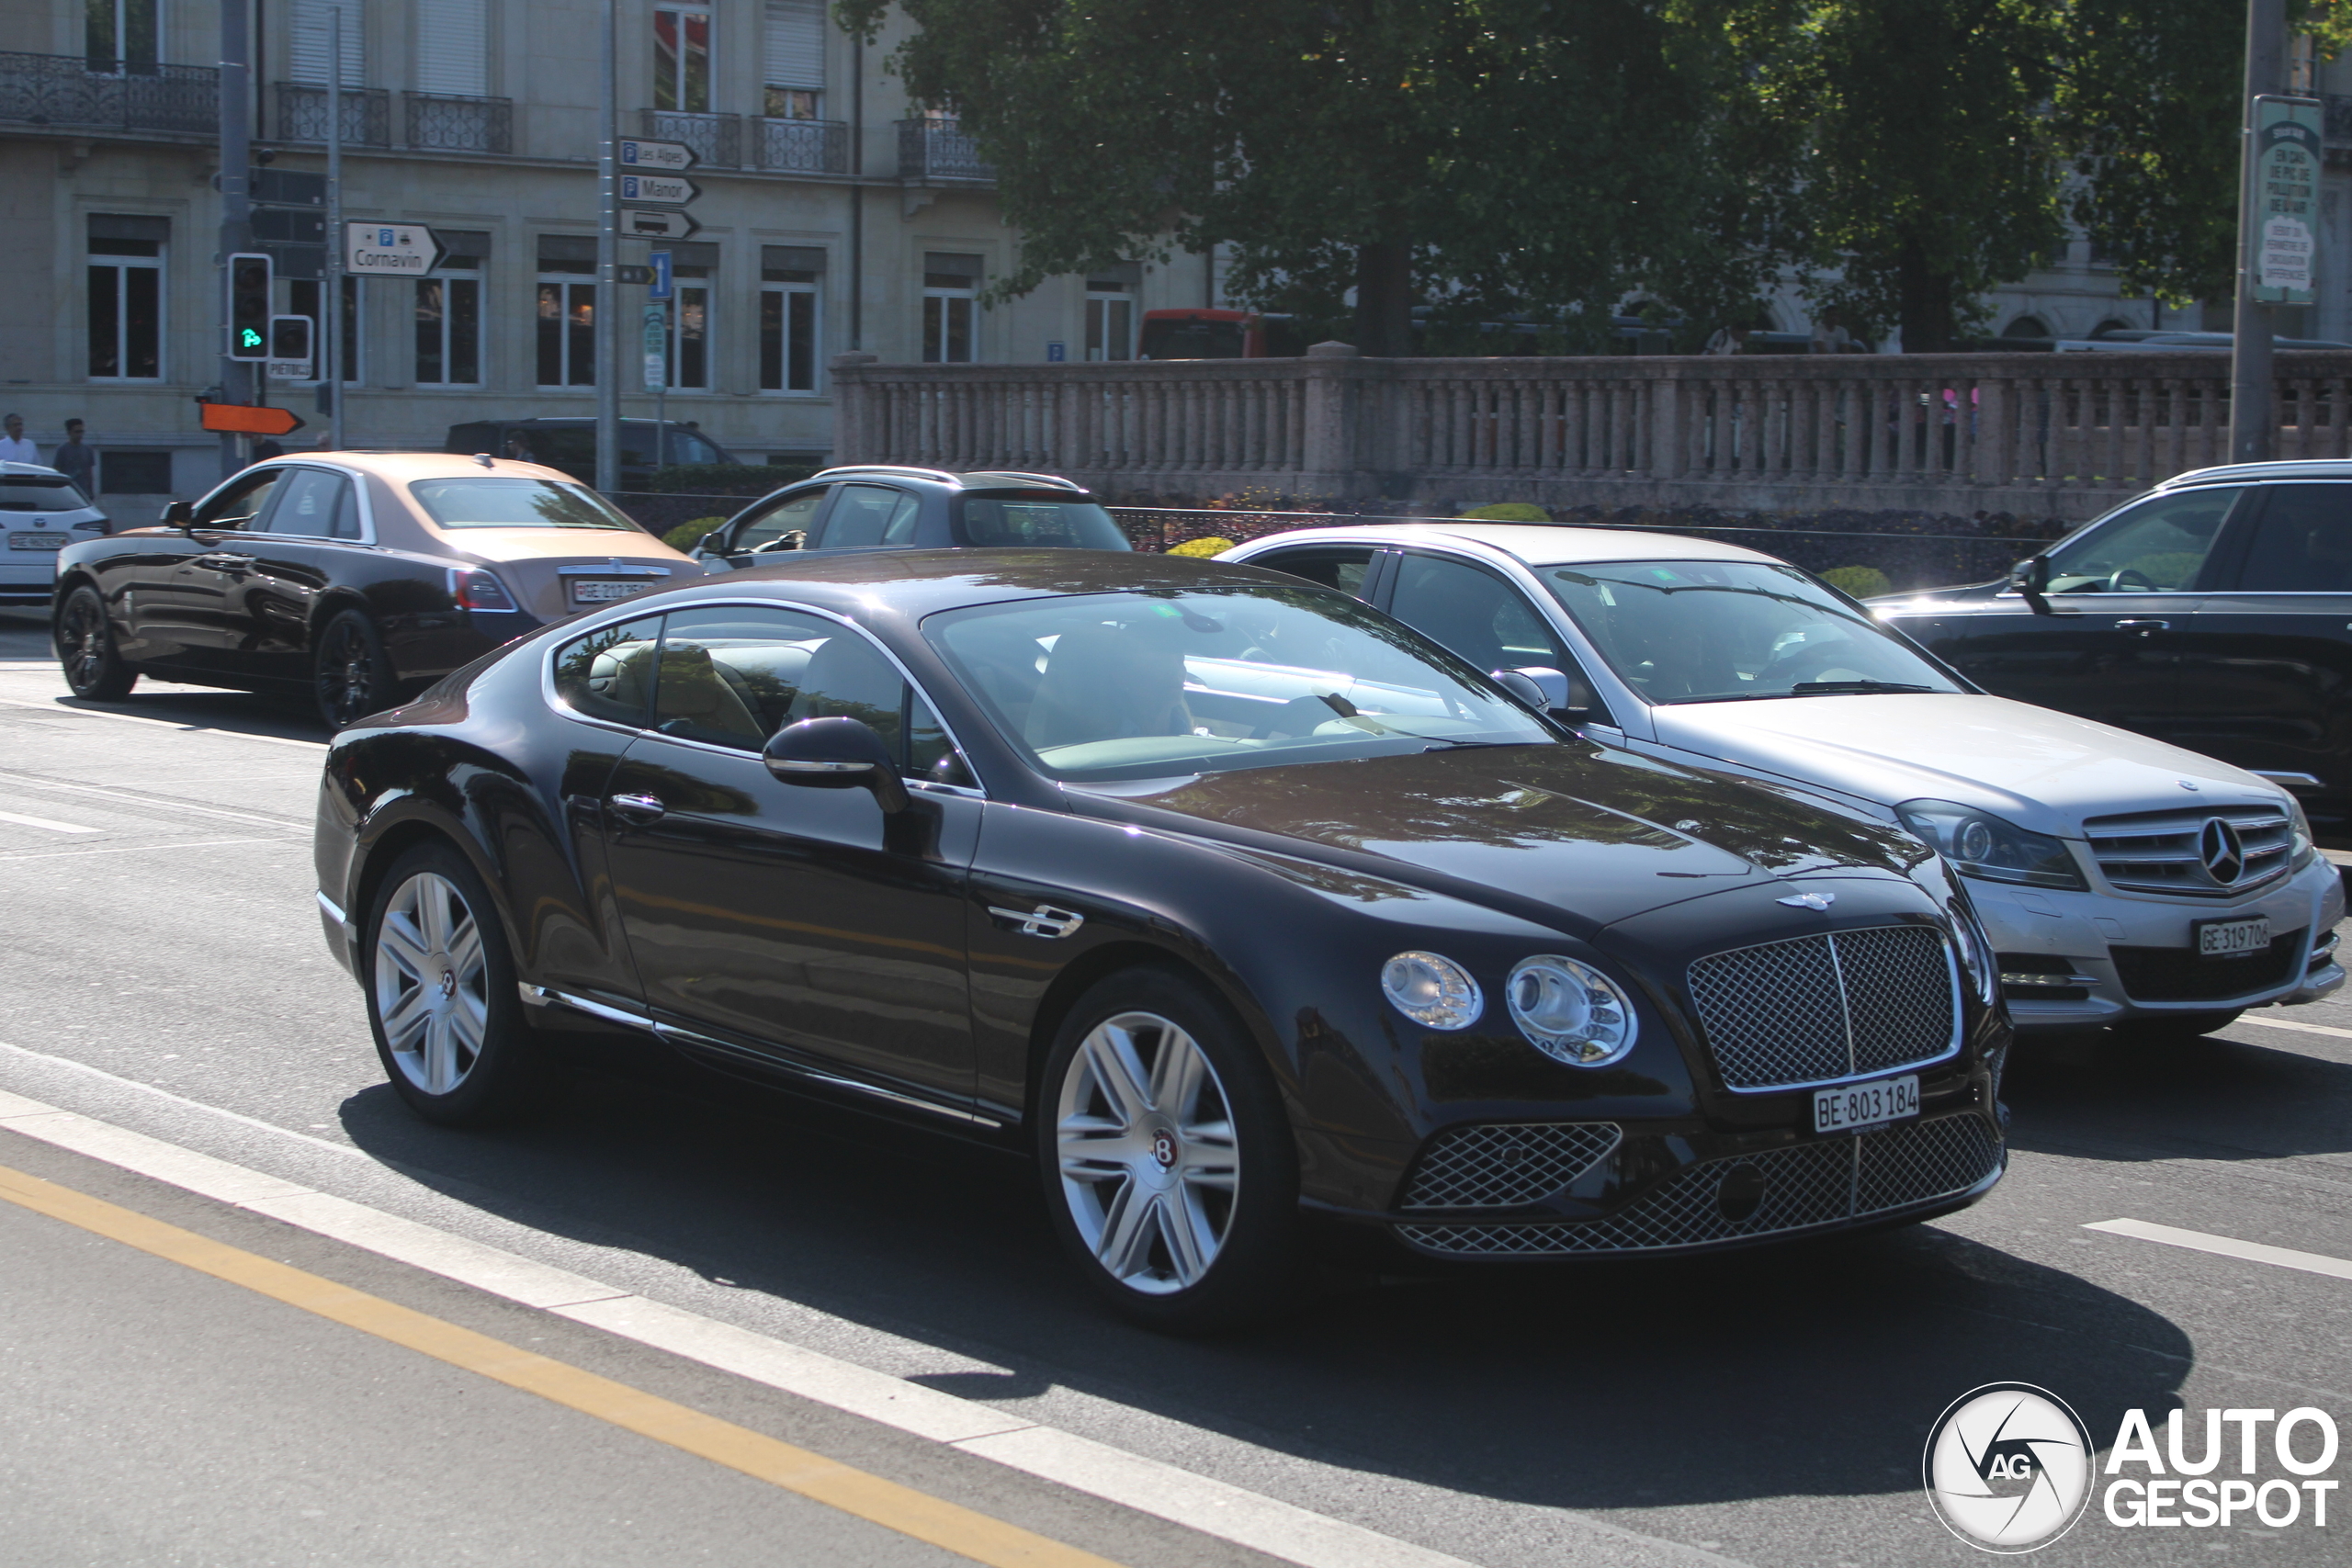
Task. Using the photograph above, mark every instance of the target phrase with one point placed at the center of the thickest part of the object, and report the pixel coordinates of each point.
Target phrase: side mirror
(837, 753)
(705, 542)
(2030, 577)
(1545, 690)
(179, 515)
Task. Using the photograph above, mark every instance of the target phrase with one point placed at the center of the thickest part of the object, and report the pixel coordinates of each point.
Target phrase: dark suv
(2214, 612)
(879, 507)
(571, 444)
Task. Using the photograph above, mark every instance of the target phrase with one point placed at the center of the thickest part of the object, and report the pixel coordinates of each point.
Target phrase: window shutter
(307, 61)
(795, 43)
(453, 47)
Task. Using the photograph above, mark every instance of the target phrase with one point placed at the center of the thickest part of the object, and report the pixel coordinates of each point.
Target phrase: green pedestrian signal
(248, 338)
(249, 305)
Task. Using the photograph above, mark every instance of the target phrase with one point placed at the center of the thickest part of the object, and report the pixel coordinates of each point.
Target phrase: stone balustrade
(2037, 435)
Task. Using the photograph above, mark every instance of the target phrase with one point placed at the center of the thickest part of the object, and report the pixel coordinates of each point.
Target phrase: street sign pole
(609, 260)
(2253, 422)
(330, 352)
(236, 207)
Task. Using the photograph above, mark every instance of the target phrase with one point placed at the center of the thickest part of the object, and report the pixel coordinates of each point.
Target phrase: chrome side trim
(818, 1076)
(618, 569)
(540, 995)
(333, 912)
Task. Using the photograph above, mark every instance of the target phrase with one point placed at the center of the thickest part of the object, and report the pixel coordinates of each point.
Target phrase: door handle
(637, 807)
(2144, 627)
(225, 563)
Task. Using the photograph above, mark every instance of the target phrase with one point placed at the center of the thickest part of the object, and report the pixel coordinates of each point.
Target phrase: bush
(1861, 581)
(725, 479)
(686, 535)
(1209, 545)
(1510, 511)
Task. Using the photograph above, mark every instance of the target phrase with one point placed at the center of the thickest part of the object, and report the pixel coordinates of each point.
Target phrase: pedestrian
(519, 450)
(14, 447)
(1728, 340)
(1830, 336)
(75, 460)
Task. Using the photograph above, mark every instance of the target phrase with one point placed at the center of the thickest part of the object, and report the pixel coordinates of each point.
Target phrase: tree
(1487, 155)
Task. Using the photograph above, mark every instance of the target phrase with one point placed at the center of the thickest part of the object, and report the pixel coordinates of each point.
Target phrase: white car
(41, 514)
(2124, 881)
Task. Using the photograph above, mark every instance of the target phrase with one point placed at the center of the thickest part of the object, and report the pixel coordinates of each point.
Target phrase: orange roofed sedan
(354, 577)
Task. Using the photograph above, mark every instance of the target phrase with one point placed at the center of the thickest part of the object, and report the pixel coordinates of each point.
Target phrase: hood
(529, 561)
(1598, 834)
(2043, 770)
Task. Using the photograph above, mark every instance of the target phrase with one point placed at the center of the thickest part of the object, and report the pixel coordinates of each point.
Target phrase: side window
(244, 501)
(1475, 612)
(311, 502)
(848, 677)
(2303, 542)
(1344, 570)
(609, 672)
(2156, 547)
(793, 514)
(871, 515)
(733, 676)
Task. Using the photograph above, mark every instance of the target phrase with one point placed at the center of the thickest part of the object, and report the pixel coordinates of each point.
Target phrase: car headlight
(1569, 1010)
(1977, 953)
(1981, 844)
(2301, 849)
(1431, 989)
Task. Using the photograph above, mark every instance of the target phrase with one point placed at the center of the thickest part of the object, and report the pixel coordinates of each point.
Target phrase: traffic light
(289, 339)
(249, 300)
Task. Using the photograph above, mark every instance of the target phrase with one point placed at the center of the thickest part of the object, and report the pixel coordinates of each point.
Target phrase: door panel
(184, 610)
(295, 558)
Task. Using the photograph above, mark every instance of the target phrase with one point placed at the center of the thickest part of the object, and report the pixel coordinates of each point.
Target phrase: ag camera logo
(2009, 1467)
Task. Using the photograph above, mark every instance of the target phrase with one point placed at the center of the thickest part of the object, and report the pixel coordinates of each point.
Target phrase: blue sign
(661, 275)
(1056, 354)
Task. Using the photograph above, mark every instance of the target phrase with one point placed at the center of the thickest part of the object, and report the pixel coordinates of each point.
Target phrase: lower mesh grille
(1804, 1185)
(2179, 975)
(1505, 1164)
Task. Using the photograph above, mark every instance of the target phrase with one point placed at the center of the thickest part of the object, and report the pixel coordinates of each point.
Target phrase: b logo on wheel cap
(1163, 1147)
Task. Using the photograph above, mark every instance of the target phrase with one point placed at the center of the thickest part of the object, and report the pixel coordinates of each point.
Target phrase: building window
(682, 59)
(449, 312)
(118, 36)
(1110, 312)
(567, 310)
(951, 305)
(304, 298)
(794, 58)
(453, 47)
(788, 278)
(311, 40)
(691, 265)
(126, 297)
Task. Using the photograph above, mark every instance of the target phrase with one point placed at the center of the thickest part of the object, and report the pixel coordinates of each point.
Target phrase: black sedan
(1245, 908)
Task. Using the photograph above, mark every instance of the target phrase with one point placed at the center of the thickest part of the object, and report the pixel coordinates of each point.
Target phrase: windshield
(489, 502)
(31, 493)
(1106, 686)
(1026, 521)
(1682, 631)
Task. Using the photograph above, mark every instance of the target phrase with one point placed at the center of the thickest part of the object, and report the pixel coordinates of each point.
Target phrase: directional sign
(657, 347)
(238, 418)
(406, 250)
(675, 157)
(656, 190)
(663, 278)
(642, 223)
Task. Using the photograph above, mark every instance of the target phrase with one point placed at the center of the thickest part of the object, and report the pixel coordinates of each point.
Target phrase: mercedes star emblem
(2218, 848)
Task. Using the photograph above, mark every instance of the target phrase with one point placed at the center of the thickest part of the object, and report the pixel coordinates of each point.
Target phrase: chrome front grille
(1805, 1185)
(1504, 1165)
(1820, 1008)
(2161, 851)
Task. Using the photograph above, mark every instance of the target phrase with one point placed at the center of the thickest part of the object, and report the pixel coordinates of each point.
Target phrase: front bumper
(2098, 958)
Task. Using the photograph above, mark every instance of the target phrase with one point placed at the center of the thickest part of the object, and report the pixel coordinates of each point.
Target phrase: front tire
(441, 998)
(85, 649)
(1169, 1164)
(350, 677)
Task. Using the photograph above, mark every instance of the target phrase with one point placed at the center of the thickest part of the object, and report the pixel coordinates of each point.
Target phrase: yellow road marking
(755, 1454)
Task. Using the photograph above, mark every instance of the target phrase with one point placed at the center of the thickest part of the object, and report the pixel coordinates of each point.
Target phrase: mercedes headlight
(2300, 851)
(1977, 953)
(1431, 989)
(1981, 844)
(1570, 1011)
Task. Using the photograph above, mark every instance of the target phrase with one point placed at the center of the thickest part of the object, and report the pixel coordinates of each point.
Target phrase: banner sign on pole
(656, 348)
(2287, 160)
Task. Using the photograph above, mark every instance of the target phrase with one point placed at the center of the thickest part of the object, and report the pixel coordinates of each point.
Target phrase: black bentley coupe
(1245, 908)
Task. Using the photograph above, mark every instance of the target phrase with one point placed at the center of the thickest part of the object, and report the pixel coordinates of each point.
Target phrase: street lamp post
(236, 202)
(2253, 423)
(607, 325)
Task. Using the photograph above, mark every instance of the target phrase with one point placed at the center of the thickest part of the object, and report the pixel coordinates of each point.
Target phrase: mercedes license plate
(605, 592)
(1852, 1107)
(2231, 938)
(39, 541)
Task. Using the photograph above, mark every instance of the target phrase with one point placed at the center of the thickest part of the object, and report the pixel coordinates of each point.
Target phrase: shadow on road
(1807, 1370)
(2211, 1098)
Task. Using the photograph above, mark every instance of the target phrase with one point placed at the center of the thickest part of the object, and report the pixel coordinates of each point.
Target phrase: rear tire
(439, 984)
(350, 677)
(2179, 1029)
(1168, 1161)
(85, 650)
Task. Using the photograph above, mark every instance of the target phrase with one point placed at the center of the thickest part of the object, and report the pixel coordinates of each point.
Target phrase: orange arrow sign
(242, 421)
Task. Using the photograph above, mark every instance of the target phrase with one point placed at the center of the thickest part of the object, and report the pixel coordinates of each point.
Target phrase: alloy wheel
(1151, 1164)
(431, 983)
(347, 675)
(82, 642)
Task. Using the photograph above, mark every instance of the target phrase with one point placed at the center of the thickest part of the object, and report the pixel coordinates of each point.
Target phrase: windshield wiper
(1833, 688)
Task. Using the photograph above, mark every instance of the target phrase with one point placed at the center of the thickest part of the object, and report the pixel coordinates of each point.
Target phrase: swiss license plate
(2233, 938)
(39, 541)
(1851, 1106)
(605, 592)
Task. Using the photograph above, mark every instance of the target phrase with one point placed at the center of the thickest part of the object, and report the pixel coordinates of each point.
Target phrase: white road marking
(1152, 1486)
(2229, 1247)
(185, 728)
(51, 823)
(151, 803)
(2302, 1027)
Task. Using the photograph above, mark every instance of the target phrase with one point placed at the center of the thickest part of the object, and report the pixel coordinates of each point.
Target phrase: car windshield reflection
(1728, 631)
(1158, 684)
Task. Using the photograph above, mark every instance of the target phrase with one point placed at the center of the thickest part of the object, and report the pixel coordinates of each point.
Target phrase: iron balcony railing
(717, 138)
(302, 115)
(938, 149)
(450, 123)
(70, 90)
(802, 146)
